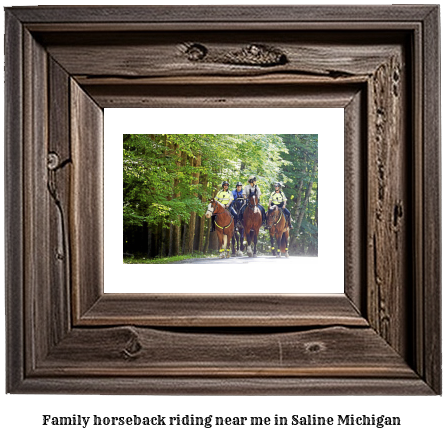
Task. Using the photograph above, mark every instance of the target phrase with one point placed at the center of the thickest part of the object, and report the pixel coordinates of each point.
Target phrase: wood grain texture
(431, 316)
(388, 203)
(227, 386)
(223, 14)
(86, 200)
(175, 310)
(384, 340)
(129, 351)
(161, 54)
(14, 239)
(418, 357)
(37, 258)
(59, 165)
(226, 96)
(355, 187)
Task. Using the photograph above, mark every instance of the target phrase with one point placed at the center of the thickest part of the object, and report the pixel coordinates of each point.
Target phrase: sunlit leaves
(160, 172)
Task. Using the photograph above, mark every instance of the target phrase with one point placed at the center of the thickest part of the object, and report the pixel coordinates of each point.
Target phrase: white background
(322, 274)
(20, 415)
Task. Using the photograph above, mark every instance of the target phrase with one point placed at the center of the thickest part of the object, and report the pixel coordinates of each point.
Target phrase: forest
(168, 180)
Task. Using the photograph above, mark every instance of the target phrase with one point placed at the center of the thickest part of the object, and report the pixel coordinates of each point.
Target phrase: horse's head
(253, 198)
(239, 202)
(271, 216)
(211, 208)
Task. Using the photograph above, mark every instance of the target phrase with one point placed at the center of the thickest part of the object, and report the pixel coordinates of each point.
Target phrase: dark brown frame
(64, 65)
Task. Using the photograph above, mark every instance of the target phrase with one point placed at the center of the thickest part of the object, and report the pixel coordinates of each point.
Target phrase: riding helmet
(225, 183)
(277, 184)
(239, 184)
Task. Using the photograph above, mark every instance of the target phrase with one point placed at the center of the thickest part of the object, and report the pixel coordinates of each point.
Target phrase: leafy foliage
(298, 175)
(167, 177)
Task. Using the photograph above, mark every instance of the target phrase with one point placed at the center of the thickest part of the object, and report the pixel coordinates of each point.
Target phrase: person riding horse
(239, 198)
(237, 193)
(254, 188)
(239, 201)
(279, 199)
(224, 196)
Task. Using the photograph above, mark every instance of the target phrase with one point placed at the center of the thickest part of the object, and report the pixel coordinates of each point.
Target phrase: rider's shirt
(278, 198)
(248, 189)
(224, 197)
(236, 194)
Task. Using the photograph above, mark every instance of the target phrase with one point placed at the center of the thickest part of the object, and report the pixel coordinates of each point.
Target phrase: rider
(237, 193)
(224, 196)
(253, 186)
(279, 199)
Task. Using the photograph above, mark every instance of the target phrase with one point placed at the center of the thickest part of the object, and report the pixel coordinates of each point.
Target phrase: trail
(240, 260)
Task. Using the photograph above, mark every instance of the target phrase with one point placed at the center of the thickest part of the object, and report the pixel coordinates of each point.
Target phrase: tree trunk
(303, 210)
(195, 162)
(169, 150)
(181, 161)
(149, 242)
(202, 218)
(207, 233)
(158, 241)
(298, 201)
(145, 239)
(184, 239)
(213, 241)
(171, 240)
(191, 233)
(201, 235)
(196, 233)
(163, 242)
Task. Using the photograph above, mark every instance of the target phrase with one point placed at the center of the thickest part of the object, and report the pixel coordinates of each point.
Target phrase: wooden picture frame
(65, 64)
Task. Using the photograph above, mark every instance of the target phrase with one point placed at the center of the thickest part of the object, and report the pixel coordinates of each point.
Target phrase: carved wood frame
(65, 336)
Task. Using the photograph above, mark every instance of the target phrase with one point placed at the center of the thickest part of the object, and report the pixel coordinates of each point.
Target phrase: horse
(252, 220)
(239, 232)
(278, 228)
(224, 224)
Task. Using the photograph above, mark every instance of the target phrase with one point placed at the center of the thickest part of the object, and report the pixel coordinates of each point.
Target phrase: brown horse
(224, 224)
(252, 220)
(278, 228)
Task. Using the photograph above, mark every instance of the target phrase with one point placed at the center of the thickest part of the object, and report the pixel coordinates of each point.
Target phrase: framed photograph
(155, 233)
(378, 333)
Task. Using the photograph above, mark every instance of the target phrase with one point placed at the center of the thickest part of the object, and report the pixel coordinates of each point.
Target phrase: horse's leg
(272, 243)
(285, 243)
(278, 244)
(242, 238)
(249, 237)
(255, 244)
(225, 243)
(282, 244)
(251, 241)
(240, 242)
(228, 239)
(234, 237)
(220, 244)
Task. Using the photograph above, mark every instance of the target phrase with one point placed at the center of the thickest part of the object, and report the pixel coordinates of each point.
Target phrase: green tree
(169, 178)
(300, 177)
